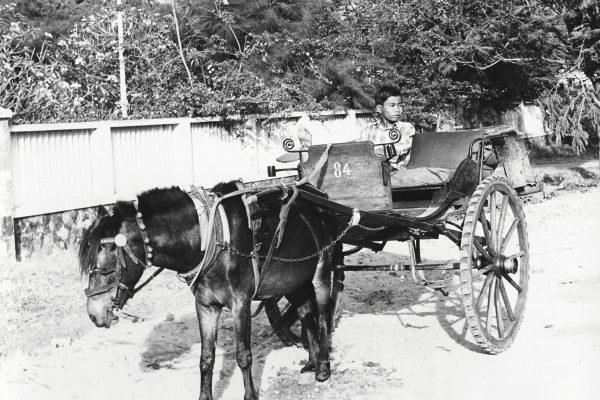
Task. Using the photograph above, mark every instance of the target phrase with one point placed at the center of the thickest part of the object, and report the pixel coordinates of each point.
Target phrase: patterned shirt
(377, 132)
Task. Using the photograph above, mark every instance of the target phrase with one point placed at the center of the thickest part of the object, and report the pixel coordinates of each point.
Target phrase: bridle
(124, 292)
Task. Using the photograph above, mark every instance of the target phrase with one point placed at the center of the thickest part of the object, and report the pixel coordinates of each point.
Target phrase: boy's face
(391, 109)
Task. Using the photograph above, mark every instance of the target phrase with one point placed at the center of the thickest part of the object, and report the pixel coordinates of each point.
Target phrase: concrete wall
(7, 244)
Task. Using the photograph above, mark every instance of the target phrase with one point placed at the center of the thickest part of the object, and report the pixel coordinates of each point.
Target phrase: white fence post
(102, 164)
(7, 235)
(182, 134)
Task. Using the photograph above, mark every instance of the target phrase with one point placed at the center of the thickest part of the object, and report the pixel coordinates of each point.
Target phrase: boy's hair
(384, 93)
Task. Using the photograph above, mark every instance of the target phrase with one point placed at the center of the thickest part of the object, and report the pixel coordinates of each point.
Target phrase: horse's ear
(102, 211)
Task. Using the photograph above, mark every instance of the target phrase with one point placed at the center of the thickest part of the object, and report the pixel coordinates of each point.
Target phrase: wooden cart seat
(436, 150)
(441, 149)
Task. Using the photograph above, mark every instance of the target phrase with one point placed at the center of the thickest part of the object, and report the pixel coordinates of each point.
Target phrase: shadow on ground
(175, 340)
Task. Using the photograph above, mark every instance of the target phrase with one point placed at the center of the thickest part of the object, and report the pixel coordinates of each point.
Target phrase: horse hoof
(309, 367)
(323, 372)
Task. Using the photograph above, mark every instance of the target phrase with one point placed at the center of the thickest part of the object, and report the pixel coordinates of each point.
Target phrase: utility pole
(122, 82)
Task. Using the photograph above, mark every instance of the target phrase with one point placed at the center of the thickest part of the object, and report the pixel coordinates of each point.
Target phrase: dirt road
(393, 340)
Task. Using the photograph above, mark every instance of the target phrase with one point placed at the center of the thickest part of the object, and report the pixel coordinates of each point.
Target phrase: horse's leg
(303, 300)
(322, 285)
(241, 321)
(208, 319)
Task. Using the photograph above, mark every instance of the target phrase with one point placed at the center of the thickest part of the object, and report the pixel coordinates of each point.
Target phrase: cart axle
(399, 267)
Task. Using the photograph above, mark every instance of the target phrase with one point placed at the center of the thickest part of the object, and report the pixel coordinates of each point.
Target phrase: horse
(163, 228)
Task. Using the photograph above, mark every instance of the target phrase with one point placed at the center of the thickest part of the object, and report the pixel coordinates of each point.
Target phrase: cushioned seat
(434, 157)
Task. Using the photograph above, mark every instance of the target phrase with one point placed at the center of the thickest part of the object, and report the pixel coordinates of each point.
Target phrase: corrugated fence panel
(144, 157)
(337, 128)
(270, 146)
(62, 166)
(51, 170)
(219, 155)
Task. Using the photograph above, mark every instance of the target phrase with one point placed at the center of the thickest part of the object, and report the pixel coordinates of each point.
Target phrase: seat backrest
(442, 149)
(353, 175)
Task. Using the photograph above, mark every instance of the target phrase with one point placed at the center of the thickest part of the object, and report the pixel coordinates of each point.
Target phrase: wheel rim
(494, 264)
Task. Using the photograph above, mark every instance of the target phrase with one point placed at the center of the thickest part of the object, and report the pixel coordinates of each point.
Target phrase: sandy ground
(394, 339)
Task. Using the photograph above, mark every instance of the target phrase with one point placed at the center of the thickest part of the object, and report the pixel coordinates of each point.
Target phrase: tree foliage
(265, 56)
(573, 104)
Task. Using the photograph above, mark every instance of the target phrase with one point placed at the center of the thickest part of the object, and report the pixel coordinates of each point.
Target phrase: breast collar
(214, 230)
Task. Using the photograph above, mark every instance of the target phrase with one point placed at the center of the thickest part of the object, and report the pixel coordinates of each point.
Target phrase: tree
(266, 56)
(573, 104)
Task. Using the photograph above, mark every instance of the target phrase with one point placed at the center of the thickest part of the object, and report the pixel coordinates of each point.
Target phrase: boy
(388, 105)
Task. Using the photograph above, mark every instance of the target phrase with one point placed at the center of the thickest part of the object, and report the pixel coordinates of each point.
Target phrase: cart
(478, 208)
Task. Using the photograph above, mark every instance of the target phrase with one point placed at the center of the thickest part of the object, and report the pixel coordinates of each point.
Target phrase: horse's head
(107, 258)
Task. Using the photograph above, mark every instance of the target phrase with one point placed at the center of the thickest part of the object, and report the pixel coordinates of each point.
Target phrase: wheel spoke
(493, 220)
(506, 239)
(498, 307)
(486, 284)
(501, 219)
(509, 311)
(482, 271)
(488, 319)
(481, 250)
(513, 283)
(486, 231)
(517, 255)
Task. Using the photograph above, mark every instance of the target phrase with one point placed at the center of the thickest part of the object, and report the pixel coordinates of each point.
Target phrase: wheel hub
(506, 265)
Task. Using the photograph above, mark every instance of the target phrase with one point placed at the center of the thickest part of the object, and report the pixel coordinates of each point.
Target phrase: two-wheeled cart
(478, 208)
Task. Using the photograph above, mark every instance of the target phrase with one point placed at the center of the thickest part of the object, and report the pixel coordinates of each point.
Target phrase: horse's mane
(225, 187)
(162, 201)
(150, 203)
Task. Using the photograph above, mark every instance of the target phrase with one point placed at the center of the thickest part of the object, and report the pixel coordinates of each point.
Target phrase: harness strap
(318, 167)
(218, 225)
(283, 215)
(202, 210)
(211, 254)
(277, 238)
(131, 255)
(148, 250)
(154, 275)
(254, 224)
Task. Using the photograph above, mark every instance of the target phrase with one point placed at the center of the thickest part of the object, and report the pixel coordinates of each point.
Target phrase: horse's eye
(107, 247)
(105, 269)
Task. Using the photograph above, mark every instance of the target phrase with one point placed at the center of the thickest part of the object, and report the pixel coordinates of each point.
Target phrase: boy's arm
(407, 131)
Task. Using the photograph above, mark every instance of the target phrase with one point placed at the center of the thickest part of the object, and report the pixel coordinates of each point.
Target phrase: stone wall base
(51, 234)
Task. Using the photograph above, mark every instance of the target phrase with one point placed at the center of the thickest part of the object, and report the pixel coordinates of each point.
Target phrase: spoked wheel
(494, 264)
(289, 331)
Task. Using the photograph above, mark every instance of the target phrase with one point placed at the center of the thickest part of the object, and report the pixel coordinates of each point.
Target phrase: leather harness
(215, 235)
